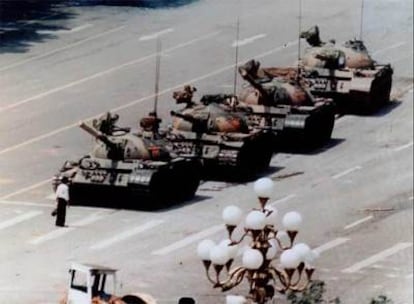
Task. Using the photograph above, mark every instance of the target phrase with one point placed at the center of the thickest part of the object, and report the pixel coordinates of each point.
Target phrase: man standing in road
(62, 199)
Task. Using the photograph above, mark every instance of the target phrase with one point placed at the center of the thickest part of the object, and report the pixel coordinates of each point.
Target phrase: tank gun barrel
(244, 73)
(199, 125)
(97, 134)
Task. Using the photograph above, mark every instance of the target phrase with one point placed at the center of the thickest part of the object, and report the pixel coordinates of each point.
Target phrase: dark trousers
(61, 212)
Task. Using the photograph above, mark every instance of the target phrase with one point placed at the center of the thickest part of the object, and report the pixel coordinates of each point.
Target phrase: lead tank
(124, 165)
(220, 138)
(346, 73)
(285, 107)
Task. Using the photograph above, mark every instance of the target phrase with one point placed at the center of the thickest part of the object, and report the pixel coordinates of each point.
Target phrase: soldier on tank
(185, 96)
(150, 125)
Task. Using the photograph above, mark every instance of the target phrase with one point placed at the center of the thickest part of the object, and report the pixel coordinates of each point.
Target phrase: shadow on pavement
(135, 3)
(333, 142)
(25, 22)
(141, 204)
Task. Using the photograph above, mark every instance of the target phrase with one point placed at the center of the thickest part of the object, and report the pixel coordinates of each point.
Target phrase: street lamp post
(271, 263)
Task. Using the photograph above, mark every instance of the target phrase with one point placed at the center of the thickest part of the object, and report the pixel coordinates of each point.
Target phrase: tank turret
(270, 91)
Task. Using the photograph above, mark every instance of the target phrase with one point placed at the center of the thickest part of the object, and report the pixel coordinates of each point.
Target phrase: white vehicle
(87, 286)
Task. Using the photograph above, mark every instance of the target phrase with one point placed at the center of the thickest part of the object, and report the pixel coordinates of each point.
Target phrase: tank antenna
(157, 74)
(362, 20)
(237, 53)
(300, 28)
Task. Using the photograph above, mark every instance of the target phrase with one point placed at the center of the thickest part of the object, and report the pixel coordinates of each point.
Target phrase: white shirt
(62, 191)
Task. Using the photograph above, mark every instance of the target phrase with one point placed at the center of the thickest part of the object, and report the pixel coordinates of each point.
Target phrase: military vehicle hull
(93, 180)
(235, 155)
(301, 127)
(354, 90)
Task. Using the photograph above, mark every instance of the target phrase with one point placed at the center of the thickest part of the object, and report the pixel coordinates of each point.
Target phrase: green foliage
(314, 294)
(381, 300)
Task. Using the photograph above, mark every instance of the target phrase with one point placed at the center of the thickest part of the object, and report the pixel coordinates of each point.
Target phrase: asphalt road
(355, 194)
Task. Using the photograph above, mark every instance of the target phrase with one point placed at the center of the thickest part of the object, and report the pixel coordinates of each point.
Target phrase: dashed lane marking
(62, 231)
(100, 74)
(394, 46)
(247, 40)
(356, 223)
(188, 240)
(332, 244)
(20, 203)
(61, 49)
(137, 101)
(20, 218)
(156, 35)
(126, 234)
(403, 147)
(343, 173)
(5, 197)
(284, 199)
(377, 257)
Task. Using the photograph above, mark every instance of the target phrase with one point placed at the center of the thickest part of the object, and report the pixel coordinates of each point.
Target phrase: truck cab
(87, 281)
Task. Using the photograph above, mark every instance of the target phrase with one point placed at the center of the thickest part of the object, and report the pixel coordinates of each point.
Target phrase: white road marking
(20, 218)
(62, 231)
(329, 245)
(343, 173)
(60, 49)
(189, 240)
(377, 257)
(26, 189)
(247, 40)
(74, 30)
(411, 198)
(284, 199)
(410, 276)
(134, 102)
(403, 147)
(19, 203)
(51, 197)
(100, 74)
(394, 46)
(126, 234)
(356, 223)
(156, 35)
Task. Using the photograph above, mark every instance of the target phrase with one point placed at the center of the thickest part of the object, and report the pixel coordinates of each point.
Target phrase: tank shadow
(138, 204)
(234, 176)
(377, 112)
(333, 142)
(135, 3)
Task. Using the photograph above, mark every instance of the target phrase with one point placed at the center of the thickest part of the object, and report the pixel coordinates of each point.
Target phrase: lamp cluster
(271, 262)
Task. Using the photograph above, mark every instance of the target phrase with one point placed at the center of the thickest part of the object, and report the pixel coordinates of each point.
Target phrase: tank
(285, 107)
(346, 73)
(220, 138)
(125, 165)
